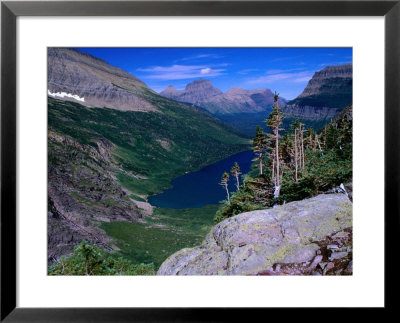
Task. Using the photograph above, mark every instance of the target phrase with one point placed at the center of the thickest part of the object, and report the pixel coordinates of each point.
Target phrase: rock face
(321, 82)
(291, 239)
(82, 193)
(199, 91)
(237, 100)
(327, 93)
(94, 81)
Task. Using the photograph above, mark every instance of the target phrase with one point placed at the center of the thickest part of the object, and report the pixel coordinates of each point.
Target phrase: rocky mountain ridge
(202, 93)
(326, 94)
(94, 81)
(317, 84)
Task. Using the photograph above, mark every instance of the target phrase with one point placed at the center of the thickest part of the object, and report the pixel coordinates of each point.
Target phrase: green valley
(154, 147)
(162, 234)
(103, 163)
(136, 177)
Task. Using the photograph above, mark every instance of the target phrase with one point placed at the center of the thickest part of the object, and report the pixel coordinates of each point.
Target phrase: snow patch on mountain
(64, 94)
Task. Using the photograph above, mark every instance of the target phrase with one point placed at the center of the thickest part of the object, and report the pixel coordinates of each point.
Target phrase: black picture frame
(10, 10)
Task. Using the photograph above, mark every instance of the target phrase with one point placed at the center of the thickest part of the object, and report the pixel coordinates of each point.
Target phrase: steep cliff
(327, 93)
(82, 193)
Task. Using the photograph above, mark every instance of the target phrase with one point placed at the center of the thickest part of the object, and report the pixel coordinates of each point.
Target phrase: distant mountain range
(327, 93)
(236, 100)
(242, 109)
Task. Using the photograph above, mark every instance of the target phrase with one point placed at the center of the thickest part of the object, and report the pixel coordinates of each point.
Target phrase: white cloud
(205, 70)
(199, 56)
(179, 72)
(278, 75)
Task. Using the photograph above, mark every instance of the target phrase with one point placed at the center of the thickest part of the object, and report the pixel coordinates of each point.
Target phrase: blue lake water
(200, 188)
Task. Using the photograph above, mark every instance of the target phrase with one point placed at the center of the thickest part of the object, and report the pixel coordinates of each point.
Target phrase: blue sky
(285, 70)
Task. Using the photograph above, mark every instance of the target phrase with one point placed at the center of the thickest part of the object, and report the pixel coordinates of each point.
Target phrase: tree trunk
(273, 168)
(227, 193)
(302, 144)
(315, 142)
(237, 182)
(277, 155)
(319, 146)
(295, 153)
(260, 165)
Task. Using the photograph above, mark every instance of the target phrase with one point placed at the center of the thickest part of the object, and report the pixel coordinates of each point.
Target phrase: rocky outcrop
(312, 236)
(236, 100)
(321, 82)
(327, 93)
(79, 77)
(344, 116)
(307, 112)
(82, 193)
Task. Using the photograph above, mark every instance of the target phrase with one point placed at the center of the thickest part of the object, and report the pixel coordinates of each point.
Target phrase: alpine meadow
(200, 161)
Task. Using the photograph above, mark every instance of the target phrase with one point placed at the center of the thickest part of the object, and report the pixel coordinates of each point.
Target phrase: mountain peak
(236, 91)
(94, 81)
(320, 82)
(202, 85)
(345, 70)
(328, 92)
(197, 91)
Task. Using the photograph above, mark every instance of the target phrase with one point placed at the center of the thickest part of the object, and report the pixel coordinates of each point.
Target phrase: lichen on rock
(256, 242)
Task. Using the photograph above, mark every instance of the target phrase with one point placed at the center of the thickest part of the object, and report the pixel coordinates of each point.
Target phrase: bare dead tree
(295, 153)
(235, 171)
(224, 184)
(302, 144)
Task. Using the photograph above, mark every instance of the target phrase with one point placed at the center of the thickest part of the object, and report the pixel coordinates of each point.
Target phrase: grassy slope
(168, 231)
(155, 146)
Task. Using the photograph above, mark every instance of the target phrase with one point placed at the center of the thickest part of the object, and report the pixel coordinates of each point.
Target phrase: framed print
(207, 139)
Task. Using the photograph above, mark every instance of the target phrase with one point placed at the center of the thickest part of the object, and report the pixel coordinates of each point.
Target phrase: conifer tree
(317, 141)
(302, 145)
(310, 143)
(274, 121)
(235, 172)
(294, 127)
(224, 184)
(273, 166)
(259, 146)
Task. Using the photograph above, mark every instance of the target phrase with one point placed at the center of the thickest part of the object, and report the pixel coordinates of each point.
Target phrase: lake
(197, 189)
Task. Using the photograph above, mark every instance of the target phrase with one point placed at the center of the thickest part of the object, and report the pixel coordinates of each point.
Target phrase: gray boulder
(252, 243)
